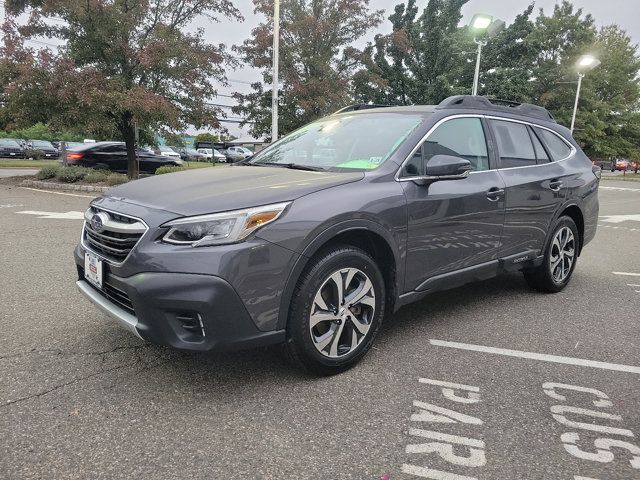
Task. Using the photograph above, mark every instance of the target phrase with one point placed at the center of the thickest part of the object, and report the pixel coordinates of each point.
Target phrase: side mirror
(445, 167)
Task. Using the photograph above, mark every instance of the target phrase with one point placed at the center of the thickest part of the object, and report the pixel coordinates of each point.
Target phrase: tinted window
(541, 154)
(459, 137)
(514, 144)
(556, 147)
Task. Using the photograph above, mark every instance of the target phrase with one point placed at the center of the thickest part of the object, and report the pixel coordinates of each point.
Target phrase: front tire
(336, 312)
(561, 254)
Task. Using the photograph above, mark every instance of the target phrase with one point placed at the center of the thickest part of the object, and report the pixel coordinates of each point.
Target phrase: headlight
(221, 228)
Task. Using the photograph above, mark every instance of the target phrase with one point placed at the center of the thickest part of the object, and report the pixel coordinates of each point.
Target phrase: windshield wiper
(292, 166)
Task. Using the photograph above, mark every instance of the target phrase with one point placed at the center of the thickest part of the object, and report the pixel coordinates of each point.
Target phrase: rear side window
(541, 154)
(558, 149)
(514, 144)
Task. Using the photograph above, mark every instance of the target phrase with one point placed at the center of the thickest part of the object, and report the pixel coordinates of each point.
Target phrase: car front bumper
(185, 311)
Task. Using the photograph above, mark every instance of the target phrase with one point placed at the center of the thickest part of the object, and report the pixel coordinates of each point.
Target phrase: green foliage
(163, 170)
(174, 139)
(207, 137)
(47, 172)
(114, 179)
(72, 174)
(40, 131)
(96, 176)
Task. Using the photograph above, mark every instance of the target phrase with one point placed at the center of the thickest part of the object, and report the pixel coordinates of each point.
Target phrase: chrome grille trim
(119, 236)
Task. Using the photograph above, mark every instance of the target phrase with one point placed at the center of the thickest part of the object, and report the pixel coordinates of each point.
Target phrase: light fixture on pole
(584, 64)
(484, 27)
(274, 91)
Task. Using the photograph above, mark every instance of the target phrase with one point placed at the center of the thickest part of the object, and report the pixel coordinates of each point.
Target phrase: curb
(63, 186)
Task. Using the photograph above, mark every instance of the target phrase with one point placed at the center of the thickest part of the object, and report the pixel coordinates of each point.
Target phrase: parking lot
(491, 380)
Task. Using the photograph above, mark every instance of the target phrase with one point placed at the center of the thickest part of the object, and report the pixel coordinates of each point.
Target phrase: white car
(212, 154)
(167, 152)
(237, 154)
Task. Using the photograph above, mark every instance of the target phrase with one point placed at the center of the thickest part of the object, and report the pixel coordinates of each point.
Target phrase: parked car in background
(621, 165)
(237, 154)
(212, 154)
(113, 156)
(10, 148)
(44, 146)
(190, 154)
(166, 151)
(316, 254)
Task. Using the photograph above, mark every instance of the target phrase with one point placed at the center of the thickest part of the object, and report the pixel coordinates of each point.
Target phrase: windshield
(352, 142)
(9, 143)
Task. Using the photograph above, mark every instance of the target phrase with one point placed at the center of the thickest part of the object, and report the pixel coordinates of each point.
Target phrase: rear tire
(336, 312)
(560, 257)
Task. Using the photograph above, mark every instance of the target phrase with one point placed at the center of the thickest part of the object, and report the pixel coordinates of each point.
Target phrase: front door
(453, 224)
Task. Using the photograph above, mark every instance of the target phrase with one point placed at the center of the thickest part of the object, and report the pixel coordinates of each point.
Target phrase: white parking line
(538, 356)
(627, 274)
(62, 193)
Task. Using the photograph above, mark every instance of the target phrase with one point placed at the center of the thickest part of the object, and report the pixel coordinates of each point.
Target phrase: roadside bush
(114, 179)
(72, 174)
(35, 154)
(47, 172)
(163, 170)
(96, 176)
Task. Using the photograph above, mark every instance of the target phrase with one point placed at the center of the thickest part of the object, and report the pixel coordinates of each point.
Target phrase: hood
(219, 189)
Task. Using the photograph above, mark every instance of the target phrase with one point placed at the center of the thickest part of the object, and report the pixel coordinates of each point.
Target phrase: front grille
(113, 235)
(111, 293)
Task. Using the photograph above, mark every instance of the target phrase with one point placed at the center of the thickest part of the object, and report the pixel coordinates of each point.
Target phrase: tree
(174, 139)
(316, 60)
(207, 137)
(127, 64)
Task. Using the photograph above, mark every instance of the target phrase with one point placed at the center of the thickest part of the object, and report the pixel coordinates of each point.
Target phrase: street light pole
(274, 92)
(476, 77)
(575, 106)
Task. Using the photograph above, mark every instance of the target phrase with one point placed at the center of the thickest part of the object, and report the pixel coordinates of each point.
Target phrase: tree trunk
(129, 133)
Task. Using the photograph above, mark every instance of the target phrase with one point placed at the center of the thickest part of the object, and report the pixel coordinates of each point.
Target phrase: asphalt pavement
(17, 172)
(488, 381)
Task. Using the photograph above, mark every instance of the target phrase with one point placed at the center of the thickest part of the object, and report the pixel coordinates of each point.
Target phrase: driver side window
(459, 137)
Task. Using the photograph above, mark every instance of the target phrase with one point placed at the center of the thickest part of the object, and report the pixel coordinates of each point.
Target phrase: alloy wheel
(562, 256)
(342, 311)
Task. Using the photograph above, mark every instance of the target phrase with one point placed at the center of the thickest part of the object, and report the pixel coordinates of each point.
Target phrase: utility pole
(476, 76)
(274, 92)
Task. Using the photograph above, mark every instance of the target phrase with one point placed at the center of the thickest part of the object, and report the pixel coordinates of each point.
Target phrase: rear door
(452, 224)
(535, 185)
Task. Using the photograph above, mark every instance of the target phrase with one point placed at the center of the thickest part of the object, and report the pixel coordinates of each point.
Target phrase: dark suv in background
(316, 239)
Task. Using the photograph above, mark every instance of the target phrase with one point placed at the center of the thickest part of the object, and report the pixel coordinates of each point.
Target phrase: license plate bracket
(93, 269)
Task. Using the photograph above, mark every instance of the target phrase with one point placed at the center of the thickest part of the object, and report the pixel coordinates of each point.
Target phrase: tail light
(73, 157)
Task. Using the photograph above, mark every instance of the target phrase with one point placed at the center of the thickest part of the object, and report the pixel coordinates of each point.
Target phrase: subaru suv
(317, 239)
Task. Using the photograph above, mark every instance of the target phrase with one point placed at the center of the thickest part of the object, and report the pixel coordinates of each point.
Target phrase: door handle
(555, 185)
(494, 194)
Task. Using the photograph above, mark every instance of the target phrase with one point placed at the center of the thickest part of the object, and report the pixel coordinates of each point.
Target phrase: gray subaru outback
(315, 240)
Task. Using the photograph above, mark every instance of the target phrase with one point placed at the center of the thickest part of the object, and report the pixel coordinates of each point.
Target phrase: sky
(625, 13)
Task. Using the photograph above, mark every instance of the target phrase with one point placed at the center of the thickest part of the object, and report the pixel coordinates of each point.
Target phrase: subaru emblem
(97, 223)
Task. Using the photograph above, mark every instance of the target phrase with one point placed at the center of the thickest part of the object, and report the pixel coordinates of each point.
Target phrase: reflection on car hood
(219, 189)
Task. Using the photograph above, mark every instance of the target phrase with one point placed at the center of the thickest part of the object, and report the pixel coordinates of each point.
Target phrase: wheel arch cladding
(375, 244)
(574, 212)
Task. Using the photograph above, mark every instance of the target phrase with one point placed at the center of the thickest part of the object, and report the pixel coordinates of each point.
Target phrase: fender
(314, 245)
(571, 202)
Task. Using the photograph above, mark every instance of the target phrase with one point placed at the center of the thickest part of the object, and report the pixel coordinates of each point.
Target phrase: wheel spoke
(333, 351)
(354, 339)
(338, 280)
(321, 316)
(362, 327)
(357, 296)
(322, 342)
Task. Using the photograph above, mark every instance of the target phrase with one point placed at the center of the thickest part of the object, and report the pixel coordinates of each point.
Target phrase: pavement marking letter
(454, 449)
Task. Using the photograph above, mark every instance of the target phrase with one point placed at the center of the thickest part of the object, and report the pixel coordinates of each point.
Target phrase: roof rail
(360, 106)
(476, 102)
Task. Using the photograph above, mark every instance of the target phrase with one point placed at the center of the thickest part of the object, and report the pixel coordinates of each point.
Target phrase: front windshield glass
(346, 142)
(42, 143)
(9, 143)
